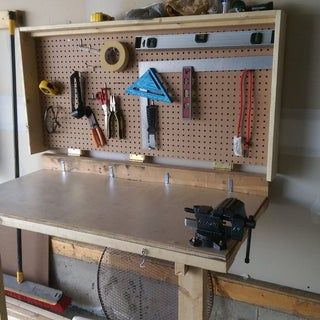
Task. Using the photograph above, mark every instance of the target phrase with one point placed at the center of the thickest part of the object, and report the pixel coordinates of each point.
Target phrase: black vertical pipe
(12, 26)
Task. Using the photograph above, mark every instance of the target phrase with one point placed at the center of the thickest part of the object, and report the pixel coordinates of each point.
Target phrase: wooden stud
(3, 308)
(242, 182)
(193, 294)
(276, 90)
(31, 92)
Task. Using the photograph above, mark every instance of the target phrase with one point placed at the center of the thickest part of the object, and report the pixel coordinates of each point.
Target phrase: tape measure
(114, 56)
(48, 88)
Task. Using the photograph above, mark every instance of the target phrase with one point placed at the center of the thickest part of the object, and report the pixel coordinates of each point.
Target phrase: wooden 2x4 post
(192, 296)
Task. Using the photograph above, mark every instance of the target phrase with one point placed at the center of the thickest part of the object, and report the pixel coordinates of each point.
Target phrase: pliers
(98, 137)
(105, 105)
(115, 124)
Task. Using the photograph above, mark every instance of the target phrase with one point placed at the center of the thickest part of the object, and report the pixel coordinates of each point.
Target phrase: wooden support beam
(242, 182)
(31, 92)
(3, 308)
(193, 294)
(92, 254)
(276, 90)
(263, 294)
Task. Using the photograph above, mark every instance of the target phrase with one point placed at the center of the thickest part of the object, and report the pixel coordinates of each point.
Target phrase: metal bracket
(63, 166)
(230, 186)
(75, 152)
(137, 157)
(111, 173)
(166, 178)
(222, 166)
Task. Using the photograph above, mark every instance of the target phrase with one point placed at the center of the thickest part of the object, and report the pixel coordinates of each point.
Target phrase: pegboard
(208, 137)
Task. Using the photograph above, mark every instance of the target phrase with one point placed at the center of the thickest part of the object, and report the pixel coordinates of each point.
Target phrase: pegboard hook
(92, 66)
(87, 48)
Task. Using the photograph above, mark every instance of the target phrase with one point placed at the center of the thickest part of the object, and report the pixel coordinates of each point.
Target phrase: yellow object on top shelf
(100, 16)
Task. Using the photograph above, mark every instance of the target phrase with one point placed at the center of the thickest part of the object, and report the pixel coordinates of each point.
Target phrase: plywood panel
(35, 250)
(117, 213)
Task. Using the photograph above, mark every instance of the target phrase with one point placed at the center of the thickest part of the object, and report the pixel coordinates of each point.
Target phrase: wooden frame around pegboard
(207, 137)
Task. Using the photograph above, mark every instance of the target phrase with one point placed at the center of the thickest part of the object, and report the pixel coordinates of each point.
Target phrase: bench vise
(215, 226)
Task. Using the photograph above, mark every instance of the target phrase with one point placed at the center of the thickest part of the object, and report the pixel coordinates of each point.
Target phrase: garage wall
(285, 244)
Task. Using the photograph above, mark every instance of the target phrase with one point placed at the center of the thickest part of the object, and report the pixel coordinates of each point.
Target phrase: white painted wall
(286, 241)
(37, 13)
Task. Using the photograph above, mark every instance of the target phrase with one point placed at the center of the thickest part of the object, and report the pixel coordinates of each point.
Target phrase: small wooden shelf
(170, 23)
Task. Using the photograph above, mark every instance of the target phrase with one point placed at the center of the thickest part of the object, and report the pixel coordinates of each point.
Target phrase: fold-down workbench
(127, 215)
(141, 212)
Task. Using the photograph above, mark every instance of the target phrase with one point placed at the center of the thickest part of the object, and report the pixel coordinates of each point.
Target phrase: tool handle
(95, 138)
(106, 120)
(252, 222)
(101, 136)
(119, 124)
(108, 124)
(152, 118)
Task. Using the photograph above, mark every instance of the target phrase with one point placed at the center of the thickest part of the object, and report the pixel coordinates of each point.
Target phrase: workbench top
(113, 212)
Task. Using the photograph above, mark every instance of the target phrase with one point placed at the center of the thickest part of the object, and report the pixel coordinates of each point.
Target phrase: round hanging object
(114, 56)
(48, 88)
(133, 286)
(138, 287)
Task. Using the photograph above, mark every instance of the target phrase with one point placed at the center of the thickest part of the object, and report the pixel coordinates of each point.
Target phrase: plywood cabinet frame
(27, 35)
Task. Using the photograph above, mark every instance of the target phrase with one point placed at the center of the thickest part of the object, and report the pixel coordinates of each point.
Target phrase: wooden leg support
(3, 308)
(192, 293)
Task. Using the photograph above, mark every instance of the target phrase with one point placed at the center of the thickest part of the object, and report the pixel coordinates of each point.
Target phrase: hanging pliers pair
(115, 121)
(104, 97)
(112, 117)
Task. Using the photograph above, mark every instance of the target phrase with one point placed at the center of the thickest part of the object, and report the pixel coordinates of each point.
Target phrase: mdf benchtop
(117, 213)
